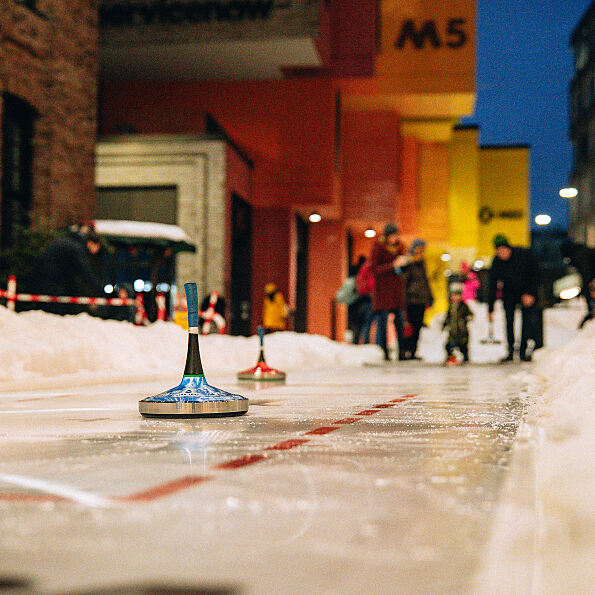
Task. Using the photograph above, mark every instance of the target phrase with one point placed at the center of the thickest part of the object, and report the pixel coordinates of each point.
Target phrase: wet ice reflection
(397, 501)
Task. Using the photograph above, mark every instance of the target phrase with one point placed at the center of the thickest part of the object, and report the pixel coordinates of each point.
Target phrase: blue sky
(524, 68)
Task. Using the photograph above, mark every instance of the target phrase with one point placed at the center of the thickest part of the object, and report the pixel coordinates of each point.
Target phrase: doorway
(17, 166)
(241, 266)
(300, 321)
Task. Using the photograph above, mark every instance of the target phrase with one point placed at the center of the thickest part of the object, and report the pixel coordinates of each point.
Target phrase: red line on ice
(320, 431)
(186, 482)
(240, 462)
(346, 420)
(165, 489)
(288, 444)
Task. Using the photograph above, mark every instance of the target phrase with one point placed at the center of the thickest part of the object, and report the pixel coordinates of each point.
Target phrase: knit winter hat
(270, 288)
(389, 229)
(501, 240)
(416, 244)
(455, 287)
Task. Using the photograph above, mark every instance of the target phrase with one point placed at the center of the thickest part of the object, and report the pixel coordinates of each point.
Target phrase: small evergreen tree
(19, 259)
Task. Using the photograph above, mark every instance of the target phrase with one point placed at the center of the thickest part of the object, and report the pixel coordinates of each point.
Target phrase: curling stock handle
(192, 301)
(260, 331)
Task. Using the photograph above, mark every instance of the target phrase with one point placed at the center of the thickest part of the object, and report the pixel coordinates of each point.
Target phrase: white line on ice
(68, 409)
(57, 489)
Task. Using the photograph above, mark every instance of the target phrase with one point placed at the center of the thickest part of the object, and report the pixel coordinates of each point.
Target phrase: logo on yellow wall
(486, 214)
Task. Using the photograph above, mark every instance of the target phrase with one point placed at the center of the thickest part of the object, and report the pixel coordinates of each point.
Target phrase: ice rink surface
(361, 480)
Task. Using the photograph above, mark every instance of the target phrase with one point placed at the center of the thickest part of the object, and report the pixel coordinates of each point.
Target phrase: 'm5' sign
(428, 32)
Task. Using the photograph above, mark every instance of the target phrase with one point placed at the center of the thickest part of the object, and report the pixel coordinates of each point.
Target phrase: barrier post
(141, 315)
(11, 293)
(160, 299)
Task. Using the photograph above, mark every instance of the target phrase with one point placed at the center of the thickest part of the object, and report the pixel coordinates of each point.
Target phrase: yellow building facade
(466, 193)
(483, 191)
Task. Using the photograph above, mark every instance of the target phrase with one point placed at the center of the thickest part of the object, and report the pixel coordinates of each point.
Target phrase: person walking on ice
(515, 270)
(456, 320)
(388, 256)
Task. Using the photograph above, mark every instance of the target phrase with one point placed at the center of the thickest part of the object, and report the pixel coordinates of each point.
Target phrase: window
(17, 166)
(28, 3)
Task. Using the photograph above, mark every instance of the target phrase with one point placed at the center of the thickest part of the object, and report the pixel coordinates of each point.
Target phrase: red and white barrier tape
(209, 316)
(64, 299)
(11, 295)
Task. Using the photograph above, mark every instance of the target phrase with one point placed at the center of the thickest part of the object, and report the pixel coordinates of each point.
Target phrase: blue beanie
(415, 245)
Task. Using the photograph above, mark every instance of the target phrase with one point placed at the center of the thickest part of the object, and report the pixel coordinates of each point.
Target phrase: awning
(144, 233)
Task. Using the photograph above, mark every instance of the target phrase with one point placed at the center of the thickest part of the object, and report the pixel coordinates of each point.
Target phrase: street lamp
(568, 192)
(370, 233)
(315, 217)
(543, 219)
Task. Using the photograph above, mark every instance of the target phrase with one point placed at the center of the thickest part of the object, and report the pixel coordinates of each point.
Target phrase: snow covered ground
(559, 429)
(547, 514)
(42, 350)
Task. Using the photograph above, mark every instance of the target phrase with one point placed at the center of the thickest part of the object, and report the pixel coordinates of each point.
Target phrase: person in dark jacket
(389, 292)
(65, 268)
(456, 321)
(514, 270)
(418, 295)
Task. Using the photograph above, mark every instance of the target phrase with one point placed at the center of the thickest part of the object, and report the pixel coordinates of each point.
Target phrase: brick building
(582, 130)
(48, 107)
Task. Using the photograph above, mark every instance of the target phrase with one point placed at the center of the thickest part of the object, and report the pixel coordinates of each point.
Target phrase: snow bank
(563, 417)
(544, 535)
(37, 348)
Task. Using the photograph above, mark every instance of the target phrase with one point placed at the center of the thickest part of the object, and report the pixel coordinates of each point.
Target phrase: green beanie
(501, 240)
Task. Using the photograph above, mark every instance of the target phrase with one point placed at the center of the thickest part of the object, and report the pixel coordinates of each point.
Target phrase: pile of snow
(544, 532)
(36, 346)
(563, 417)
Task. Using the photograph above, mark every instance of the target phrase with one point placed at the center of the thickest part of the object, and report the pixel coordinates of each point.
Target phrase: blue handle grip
(260, 331)
(192, 301)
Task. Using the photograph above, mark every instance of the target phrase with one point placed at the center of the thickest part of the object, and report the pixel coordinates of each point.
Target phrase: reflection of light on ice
(56, 489)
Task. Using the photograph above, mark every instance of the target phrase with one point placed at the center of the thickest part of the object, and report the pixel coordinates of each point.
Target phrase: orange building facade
(361, 131)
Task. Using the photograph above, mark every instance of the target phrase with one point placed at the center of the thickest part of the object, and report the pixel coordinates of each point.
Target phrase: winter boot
(508, 358)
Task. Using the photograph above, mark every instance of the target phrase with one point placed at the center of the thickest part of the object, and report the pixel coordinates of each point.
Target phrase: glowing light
(147, 286)
(445, 257)
(478, 264)
(108, 288)
(568, 192)
(162, 287)
(139, 285)
(571, 292)
(370, 233)
(543, 219)
(315, 218)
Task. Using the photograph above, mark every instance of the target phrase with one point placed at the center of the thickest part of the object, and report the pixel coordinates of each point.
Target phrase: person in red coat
(389, 291)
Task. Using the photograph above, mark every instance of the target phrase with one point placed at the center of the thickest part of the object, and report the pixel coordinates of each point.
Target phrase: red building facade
(345, 137)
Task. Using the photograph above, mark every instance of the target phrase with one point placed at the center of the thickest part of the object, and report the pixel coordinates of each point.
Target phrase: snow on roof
(141, 229)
